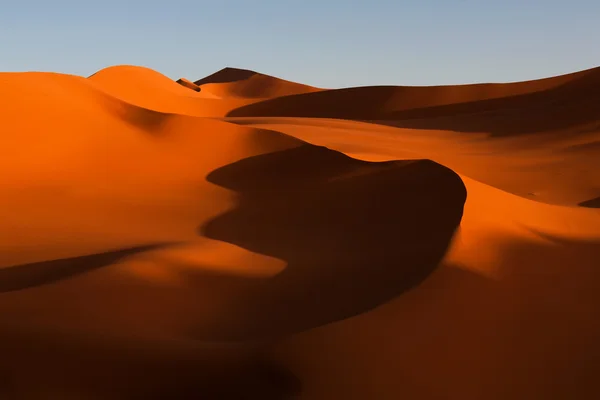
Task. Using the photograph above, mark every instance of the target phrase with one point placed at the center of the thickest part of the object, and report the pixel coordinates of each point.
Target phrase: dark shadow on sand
(103, 367)
(592, 203)
(354, 234)
(247, 380)
(25, 276)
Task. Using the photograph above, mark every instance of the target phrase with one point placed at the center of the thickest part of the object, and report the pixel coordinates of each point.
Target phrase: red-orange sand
(261, 239)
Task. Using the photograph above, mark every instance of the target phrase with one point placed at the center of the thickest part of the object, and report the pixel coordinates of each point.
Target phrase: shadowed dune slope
(354, 234)
(510, 313)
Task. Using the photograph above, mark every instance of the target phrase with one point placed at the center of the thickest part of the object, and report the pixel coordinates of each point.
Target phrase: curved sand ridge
(137, 234)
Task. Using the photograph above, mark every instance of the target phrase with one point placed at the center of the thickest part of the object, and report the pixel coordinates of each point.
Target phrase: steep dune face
(154, 248)
(232, 82)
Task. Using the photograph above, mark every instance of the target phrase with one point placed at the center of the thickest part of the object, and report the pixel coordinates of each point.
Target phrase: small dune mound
(188, 84)
(232, 82)
(134, 81)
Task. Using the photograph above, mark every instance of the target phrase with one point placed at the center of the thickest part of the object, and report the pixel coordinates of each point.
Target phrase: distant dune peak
(226, 75)
(244, 83)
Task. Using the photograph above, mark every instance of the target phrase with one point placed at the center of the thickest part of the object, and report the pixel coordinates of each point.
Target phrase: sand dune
(400, 103)
(233, 82)
(260, 238)
(151, 90)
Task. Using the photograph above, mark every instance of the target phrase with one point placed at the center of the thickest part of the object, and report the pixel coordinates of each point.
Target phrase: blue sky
(327, 43)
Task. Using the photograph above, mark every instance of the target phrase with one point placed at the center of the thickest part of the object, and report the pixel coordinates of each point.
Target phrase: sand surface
(247, 237)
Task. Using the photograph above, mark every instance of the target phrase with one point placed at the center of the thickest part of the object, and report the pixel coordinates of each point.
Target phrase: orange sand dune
(149, 89)
(260, 239)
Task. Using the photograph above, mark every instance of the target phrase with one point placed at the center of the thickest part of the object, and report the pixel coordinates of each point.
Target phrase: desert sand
(247, 237)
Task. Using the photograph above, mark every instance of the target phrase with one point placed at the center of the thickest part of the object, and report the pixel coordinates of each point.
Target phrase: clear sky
(327, 43)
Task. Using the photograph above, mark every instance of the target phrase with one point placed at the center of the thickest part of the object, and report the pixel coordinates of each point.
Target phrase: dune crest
(149, 89)
(258, 237)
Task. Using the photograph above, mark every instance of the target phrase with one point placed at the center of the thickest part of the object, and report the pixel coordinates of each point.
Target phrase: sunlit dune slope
(233, 82)
(149, 89)
(129, 80)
